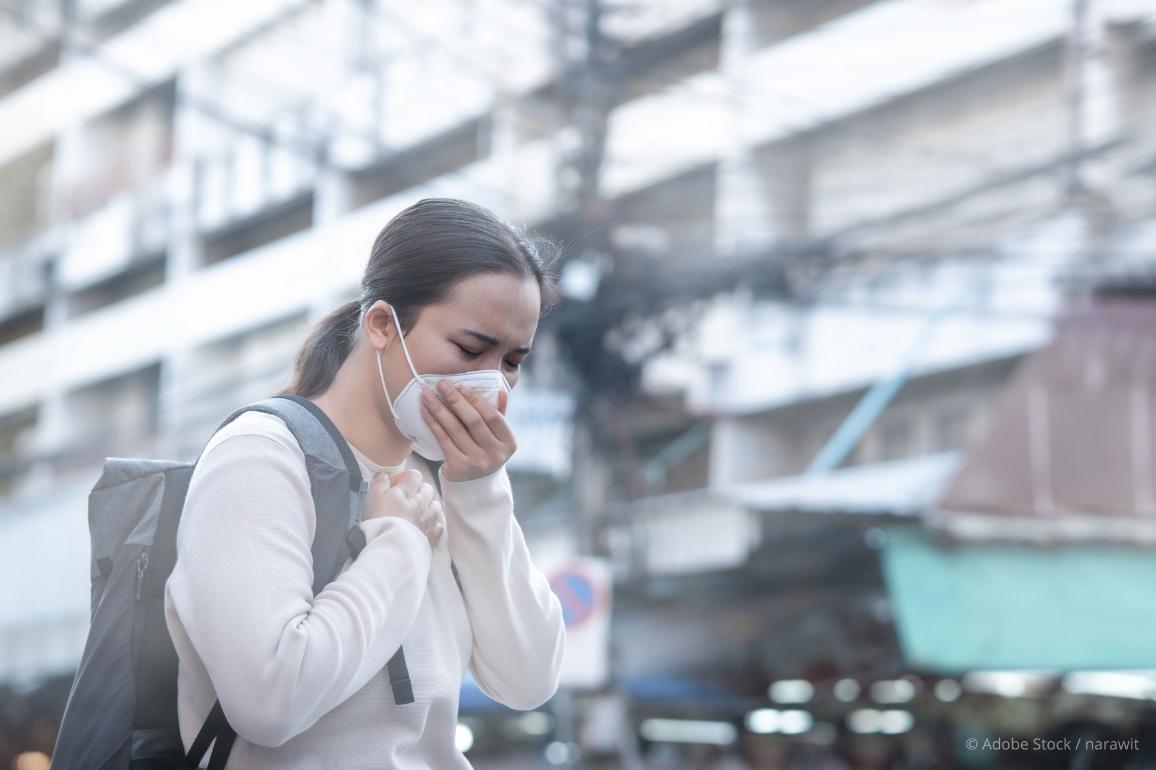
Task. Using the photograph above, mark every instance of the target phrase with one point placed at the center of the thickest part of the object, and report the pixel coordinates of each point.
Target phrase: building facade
(186, 191)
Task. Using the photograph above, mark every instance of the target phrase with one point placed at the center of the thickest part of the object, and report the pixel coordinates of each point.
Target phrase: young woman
(450, 292)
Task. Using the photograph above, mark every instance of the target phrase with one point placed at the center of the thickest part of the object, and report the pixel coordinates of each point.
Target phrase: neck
(351, 402)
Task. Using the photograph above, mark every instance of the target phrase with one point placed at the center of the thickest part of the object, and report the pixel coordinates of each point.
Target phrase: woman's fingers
(435, 530)
(492, 417)
(419, 497)
(425, 495)
(467, 409)
(433, 519)
(380, 482)
(409, 479)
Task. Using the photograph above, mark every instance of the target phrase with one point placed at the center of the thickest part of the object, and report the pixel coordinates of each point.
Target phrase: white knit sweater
(303, 679)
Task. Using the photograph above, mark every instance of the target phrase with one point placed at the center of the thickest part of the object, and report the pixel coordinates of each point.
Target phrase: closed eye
(474, 354)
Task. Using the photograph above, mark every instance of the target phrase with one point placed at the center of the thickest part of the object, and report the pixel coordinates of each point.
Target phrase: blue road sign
(577, 593)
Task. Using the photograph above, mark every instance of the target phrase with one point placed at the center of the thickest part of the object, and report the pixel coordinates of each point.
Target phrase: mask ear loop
(381, 372)
(408, 360)
(388, 398)
(404, 347)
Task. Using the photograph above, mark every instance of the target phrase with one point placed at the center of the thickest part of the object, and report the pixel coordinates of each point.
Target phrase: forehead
(500, 305)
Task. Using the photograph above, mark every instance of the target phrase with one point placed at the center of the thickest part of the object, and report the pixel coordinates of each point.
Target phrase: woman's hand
(474, 436)
(407, 497)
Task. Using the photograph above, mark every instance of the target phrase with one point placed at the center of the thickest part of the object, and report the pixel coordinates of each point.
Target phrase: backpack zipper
(138, 627)
(141, 563)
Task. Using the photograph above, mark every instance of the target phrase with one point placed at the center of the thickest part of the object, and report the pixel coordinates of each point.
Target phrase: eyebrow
(491, 341)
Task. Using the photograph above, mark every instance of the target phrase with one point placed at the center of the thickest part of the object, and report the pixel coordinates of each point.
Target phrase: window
(896, 438)
(951, 428)
(17, 435)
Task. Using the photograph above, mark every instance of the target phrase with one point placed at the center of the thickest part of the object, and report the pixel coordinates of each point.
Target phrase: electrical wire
(264, 134)
(309, 150)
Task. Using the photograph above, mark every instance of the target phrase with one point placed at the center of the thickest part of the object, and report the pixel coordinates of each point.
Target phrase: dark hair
(417, 259)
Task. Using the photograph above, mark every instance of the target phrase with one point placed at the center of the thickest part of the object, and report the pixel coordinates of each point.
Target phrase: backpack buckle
(355, 539)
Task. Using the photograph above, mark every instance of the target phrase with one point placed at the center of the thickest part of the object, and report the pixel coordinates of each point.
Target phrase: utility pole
(584, 65)
(1075, 65)
(584, 222)
(1092, 120)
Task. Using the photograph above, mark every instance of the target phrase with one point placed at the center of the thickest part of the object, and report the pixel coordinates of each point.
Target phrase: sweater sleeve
(279, 658)
(519, 635)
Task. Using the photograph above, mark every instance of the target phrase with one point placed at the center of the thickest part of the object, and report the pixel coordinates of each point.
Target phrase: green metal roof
(1020, 607)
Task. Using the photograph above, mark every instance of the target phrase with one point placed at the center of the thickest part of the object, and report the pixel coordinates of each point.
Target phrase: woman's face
(487, 322)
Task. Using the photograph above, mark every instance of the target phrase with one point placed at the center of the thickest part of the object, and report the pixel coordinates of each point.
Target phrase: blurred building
(927, 182)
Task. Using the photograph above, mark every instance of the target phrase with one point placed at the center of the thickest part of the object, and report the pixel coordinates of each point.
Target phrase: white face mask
(406, 408)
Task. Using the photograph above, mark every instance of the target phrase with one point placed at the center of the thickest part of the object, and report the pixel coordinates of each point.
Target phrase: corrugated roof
(1069, 452)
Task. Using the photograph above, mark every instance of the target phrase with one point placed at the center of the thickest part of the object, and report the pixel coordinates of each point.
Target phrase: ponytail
(322, 354)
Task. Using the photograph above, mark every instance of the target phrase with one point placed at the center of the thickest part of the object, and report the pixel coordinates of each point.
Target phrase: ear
(380, 322)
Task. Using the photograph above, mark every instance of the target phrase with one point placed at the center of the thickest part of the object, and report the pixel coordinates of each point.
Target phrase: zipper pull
(141, 562)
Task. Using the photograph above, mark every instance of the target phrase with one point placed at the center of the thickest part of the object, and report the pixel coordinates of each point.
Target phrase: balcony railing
(132, 225)
(24, 272)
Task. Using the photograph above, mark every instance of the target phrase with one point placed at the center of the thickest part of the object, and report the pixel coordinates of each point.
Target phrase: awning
(1020, 607)
(906, 487)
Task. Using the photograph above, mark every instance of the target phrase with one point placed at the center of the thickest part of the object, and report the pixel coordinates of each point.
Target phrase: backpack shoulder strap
(312, 428)
(336, 536)
(319, 438)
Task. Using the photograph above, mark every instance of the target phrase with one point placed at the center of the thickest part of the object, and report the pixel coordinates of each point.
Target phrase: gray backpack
(122, 709)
